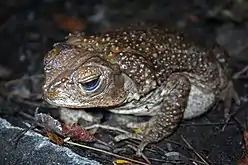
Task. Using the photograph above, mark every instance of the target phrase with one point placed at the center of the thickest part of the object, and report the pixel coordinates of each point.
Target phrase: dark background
(29, 28)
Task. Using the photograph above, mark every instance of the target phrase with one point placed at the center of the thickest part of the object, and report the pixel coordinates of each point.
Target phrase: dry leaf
(49, 123)
(77, 133)
(70, 23)
(74, 131)
(244, 159)
(246, 141)
(122, 162)
(55, 138)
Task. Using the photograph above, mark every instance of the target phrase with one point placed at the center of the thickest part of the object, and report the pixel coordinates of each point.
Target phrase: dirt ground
(28, 29)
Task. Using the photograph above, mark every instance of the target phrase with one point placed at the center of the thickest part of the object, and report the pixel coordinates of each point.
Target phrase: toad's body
(139, 71)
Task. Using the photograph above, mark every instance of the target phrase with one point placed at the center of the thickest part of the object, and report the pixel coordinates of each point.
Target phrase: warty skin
(147, 71)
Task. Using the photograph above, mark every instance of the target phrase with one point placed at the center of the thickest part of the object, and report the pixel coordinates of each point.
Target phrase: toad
(148, 71)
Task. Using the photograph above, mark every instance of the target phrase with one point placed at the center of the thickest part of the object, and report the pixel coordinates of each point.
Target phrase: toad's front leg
(175, 94)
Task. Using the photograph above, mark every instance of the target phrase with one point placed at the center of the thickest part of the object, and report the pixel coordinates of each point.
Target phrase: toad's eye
(91, 85)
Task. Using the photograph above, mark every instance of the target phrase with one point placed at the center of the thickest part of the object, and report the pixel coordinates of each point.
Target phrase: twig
(193, 160)
(176, 143)
(242, 77)
(242, 128)
(167, 161)
(237, 75)
(197, 154)
(105, 152)
(84, 146)
(229, 117)
(107, 127)
(31, 118)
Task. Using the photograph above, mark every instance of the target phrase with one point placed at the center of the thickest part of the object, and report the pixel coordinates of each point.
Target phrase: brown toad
(143, 71)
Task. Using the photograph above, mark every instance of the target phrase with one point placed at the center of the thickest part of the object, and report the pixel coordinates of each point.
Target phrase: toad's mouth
(60, 102)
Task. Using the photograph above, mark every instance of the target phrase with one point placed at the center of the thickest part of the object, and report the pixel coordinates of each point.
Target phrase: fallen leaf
(70, 23)
(77, 133)
(244, 159)
(55, 138)
(50, 124)
(74, 131)
(246, 141)
(122, 162)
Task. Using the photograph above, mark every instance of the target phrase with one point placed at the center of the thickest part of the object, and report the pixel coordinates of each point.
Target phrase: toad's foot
(137, 136)
(141, 146)
(228, 95)
(167, 118)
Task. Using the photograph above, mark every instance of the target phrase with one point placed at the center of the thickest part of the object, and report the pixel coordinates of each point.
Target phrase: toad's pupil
(91, 85)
